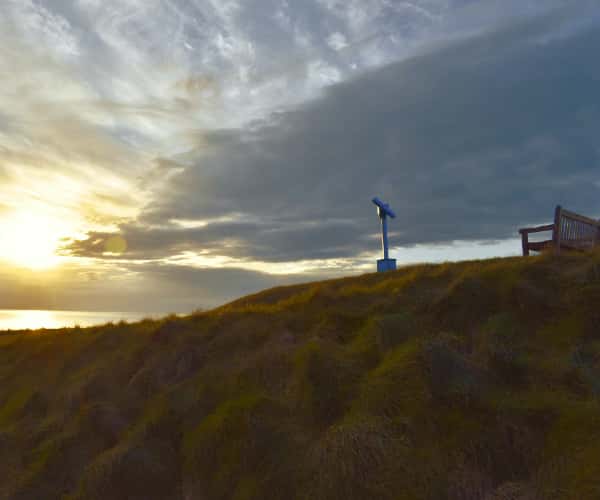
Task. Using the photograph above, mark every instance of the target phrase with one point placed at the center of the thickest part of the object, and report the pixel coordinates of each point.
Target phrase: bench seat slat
(538, 246)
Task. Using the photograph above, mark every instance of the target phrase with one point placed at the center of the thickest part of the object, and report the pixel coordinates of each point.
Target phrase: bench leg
(525, 244)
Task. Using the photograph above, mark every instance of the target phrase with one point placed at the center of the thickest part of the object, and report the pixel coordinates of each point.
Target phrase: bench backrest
(574, 230)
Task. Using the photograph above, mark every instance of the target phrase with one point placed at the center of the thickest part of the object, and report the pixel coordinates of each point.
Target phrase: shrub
(132, 471)
(243, 441)
(452, 377)
(467, 301)
(358, 459)
(396, 386)
(323, 382)
(393, 329)
(585, 363)
(501, 343)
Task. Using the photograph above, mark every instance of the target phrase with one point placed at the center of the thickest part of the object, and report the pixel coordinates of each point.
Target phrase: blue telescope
(384, 211)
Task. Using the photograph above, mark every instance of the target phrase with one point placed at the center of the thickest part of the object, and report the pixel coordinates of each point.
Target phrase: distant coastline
(23, 319)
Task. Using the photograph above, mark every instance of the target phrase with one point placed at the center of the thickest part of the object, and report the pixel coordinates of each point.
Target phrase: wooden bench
(570, 231)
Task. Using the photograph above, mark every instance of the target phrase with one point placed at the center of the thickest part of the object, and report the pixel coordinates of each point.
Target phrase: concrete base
(384, 265)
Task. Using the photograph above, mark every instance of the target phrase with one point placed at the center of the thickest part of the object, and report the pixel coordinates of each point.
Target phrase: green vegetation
(476, 380)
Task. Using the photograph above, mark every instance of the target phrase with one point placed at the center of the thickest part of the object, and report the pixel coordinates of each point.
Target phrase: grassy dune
(477, 380)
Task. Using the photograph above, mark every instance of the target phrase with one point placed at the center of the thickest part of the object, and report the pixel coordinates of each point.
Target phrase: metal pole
(384, 237)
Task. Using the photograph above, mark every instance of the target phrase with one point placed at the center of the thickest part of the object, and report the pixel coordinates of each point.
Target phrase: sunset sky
(164, 155)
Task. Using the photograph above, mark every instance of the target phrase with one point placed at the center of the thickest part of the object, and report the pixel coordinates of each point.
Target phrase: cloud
(269, 240)
(467, 141)
(98, 90)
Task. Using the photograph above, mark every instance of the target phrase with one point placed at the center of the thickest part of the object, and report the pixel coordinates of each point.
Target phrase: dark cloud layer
(269, 239)
(152, 288)
(467, 141)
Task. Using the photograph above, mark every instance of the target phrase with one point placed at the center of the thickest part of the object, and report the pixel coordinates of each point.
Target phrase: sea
(17, 319)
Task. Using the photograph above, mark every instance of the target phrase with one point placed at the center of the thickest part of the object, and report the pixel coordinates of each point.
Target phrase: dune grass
(475, 380)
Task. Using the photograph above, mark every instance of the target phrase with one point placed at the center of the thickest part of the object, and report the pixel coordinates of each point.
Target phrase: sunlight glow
(30, 239)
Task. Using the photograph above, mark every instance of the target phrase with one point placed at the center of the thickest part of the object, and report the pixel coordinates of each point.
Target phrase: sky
(169, 155)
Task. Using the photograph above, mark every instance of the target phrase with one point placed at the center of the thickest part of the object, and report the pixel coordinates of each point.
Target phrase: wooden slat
(538, 246)
(575, 245)
(575, 228)
(525, 243)
(582, 218)
(557, 229)
(538, 229)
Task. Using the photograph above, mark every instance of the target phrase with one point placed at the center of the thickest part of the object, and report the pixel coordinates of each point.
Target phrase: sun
(30, 239)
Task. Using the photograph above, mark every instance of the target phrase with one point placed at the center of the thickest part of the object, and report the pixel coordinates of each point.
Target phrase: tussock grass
(478, 381)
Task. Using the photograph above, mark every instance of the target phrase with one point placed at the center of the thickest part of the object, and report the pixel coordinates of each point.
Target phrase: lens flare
(115, 245)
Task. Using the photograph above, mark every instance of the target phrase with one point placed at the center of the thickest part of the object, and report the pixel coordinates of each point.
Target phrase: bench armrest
(538, 229)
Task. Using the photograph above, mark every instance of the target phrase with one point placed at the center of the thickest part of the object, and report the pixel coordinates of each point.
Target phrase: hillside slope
(476, 380)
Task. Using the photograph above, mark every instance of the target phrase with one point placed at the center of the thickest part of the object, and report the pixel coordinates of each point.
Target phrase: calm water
(21, 319)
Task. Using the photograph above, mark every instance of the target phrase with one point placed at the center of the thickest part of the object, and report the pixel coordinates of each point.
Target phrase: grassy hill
(477, 380)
